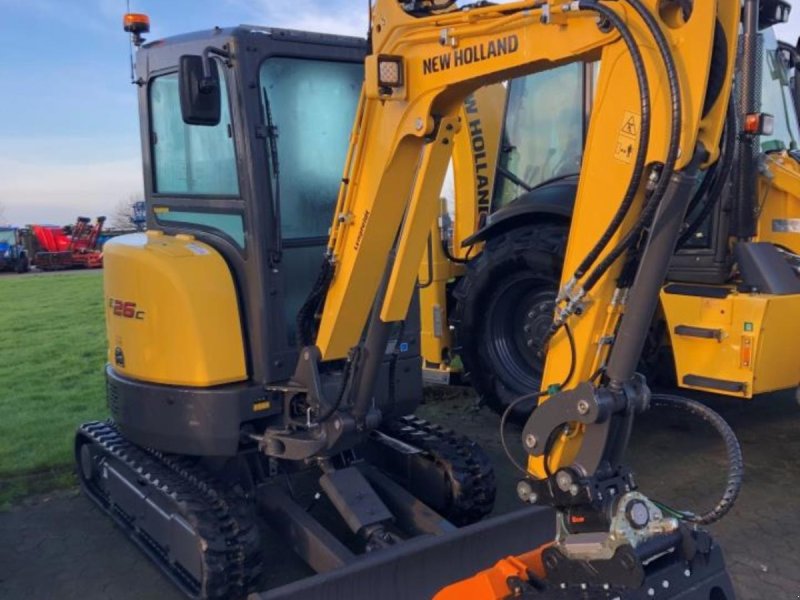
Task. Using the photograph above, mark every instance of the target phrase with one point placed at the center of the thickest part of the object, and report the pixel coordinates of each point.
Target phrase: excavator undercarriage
(203, 531)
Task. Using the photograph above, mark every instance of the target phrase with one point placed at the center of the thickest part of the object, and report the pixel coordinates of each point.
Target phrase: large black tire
(504, 307)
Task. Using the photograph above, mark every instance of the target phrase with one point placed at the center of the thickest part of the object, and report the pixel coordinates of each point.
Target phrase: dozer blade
(421, 568)
(418, 568)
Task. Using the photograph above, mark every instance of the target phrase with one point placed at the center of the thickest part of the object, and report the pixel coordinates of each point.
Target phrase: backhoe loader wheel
(504, 308)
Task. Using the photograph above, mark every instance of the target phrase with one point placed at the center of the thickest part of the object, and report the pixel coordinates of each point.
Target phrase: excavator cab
(210, 320)
(242, 185)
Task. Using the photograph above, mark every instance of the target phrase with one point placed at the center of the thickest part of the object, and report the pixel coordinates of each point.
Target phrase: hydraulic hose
(732, 450)
(644, 135)
(672, 152)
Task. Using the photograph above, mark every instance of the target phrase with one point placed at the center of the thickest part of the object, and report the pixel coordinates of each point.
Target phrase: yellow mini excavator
(245, 381)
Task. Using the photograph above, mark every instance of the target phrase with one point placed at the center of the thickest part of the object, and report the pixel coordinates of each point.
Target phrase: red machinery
(74, 247)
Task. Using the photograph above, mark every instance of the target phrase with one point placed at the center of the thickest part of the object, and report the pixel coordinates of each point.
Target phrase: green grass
(52, 352)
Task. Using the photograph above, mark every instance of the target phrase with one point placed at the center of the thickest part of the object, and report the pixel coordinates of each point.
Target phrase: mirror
(199, 90)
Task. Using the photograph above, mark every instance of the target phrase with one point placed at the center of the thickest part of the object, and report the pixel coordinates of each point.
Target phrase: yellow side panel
(757, 345)
(171, 312)
(779, 198)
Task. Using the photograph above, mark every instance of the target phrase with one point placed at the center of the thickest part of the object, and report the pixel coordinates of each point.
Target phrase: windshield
(311, 105)
(7, 237)
(776, 98)
(543, 134)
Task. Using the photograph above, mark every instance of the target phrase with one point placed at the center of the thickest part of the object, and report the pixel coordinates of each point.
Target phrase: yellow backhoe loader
(487, 313)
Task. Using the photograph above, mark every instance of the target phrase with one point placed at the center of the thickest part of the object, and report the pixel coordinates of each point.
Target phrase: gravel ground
(60, 546)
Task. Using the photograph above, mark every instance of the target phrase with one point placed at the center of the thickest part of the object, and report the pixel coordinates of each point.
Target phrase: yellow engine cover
(748, 342)
(172, 315)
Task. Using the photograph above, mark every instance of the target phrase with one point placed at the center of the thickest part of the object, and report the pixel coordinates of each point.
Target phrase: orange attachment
(136, 23)
(492, 584)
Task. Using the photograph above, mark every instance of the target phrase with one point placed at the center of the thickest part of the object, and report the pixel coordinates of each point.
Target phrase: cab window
(190, 159)
(312, 105)
(543, 133)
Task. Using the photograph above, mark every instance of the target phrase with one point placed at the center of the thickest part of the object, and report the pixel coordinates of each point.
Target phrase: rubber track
(231, 549)
(469, 470)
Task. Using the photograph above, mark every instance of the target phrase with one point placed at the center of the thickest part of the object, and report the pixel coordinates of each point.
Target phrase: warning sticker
(625, 150)
(631, 125)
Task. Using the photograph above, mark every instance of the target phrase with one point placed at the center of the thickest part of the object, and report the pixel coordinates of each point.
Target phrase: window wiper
(272, 140)
(513, 178)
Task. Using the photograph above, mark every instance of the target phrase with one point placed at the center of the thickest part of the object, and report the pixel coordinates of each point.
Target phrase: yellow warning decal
(628, 138)
(631, 125)
(625, 150)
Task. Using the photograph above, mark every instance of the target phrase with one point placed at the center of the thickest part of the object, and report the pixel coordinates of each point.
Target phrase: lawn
(51, 375)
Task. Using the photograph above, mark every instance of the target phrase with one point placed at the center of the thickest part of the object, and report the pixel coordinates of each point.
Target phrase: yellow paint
(758, 332)
(185, 329)
(434, 273)
(779, 203)
(475, 153)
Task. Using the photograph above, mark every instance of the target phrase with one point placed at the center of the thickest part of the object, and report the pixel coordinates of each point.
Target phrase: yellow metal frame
(403, 137)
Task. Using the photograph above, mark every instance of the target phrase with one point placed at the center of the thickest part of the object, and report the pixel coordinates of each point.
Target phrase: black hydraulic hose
(322, 418)
(538, 396)
(644, 134)
(450, 256)
(721, 177)
(732, 450)
(672, 153)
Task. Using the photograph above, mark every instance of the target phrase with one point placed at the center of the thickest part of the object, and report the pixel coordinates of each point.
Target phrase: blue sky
(69, 140)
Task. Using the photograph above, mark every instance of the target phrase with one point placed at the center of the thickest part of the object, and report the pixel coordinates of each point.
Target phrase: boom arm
(403, 135)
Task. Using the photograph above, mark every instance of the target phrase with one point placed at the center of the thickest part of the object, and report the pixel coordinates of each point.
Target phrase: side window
(190, 159)
(312, 105)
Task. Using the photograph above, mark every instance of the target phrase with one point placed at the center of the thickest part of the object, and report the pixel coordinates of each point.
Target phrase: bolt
(530, 441)
(526, 493)
(564, 481)
(584, 586)
(529, 343)
(419, 124)
(665, 584)
(687, 573)
(583, 407)
(530, 315)
(606, 586)
(574, 489)
(651, 592)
